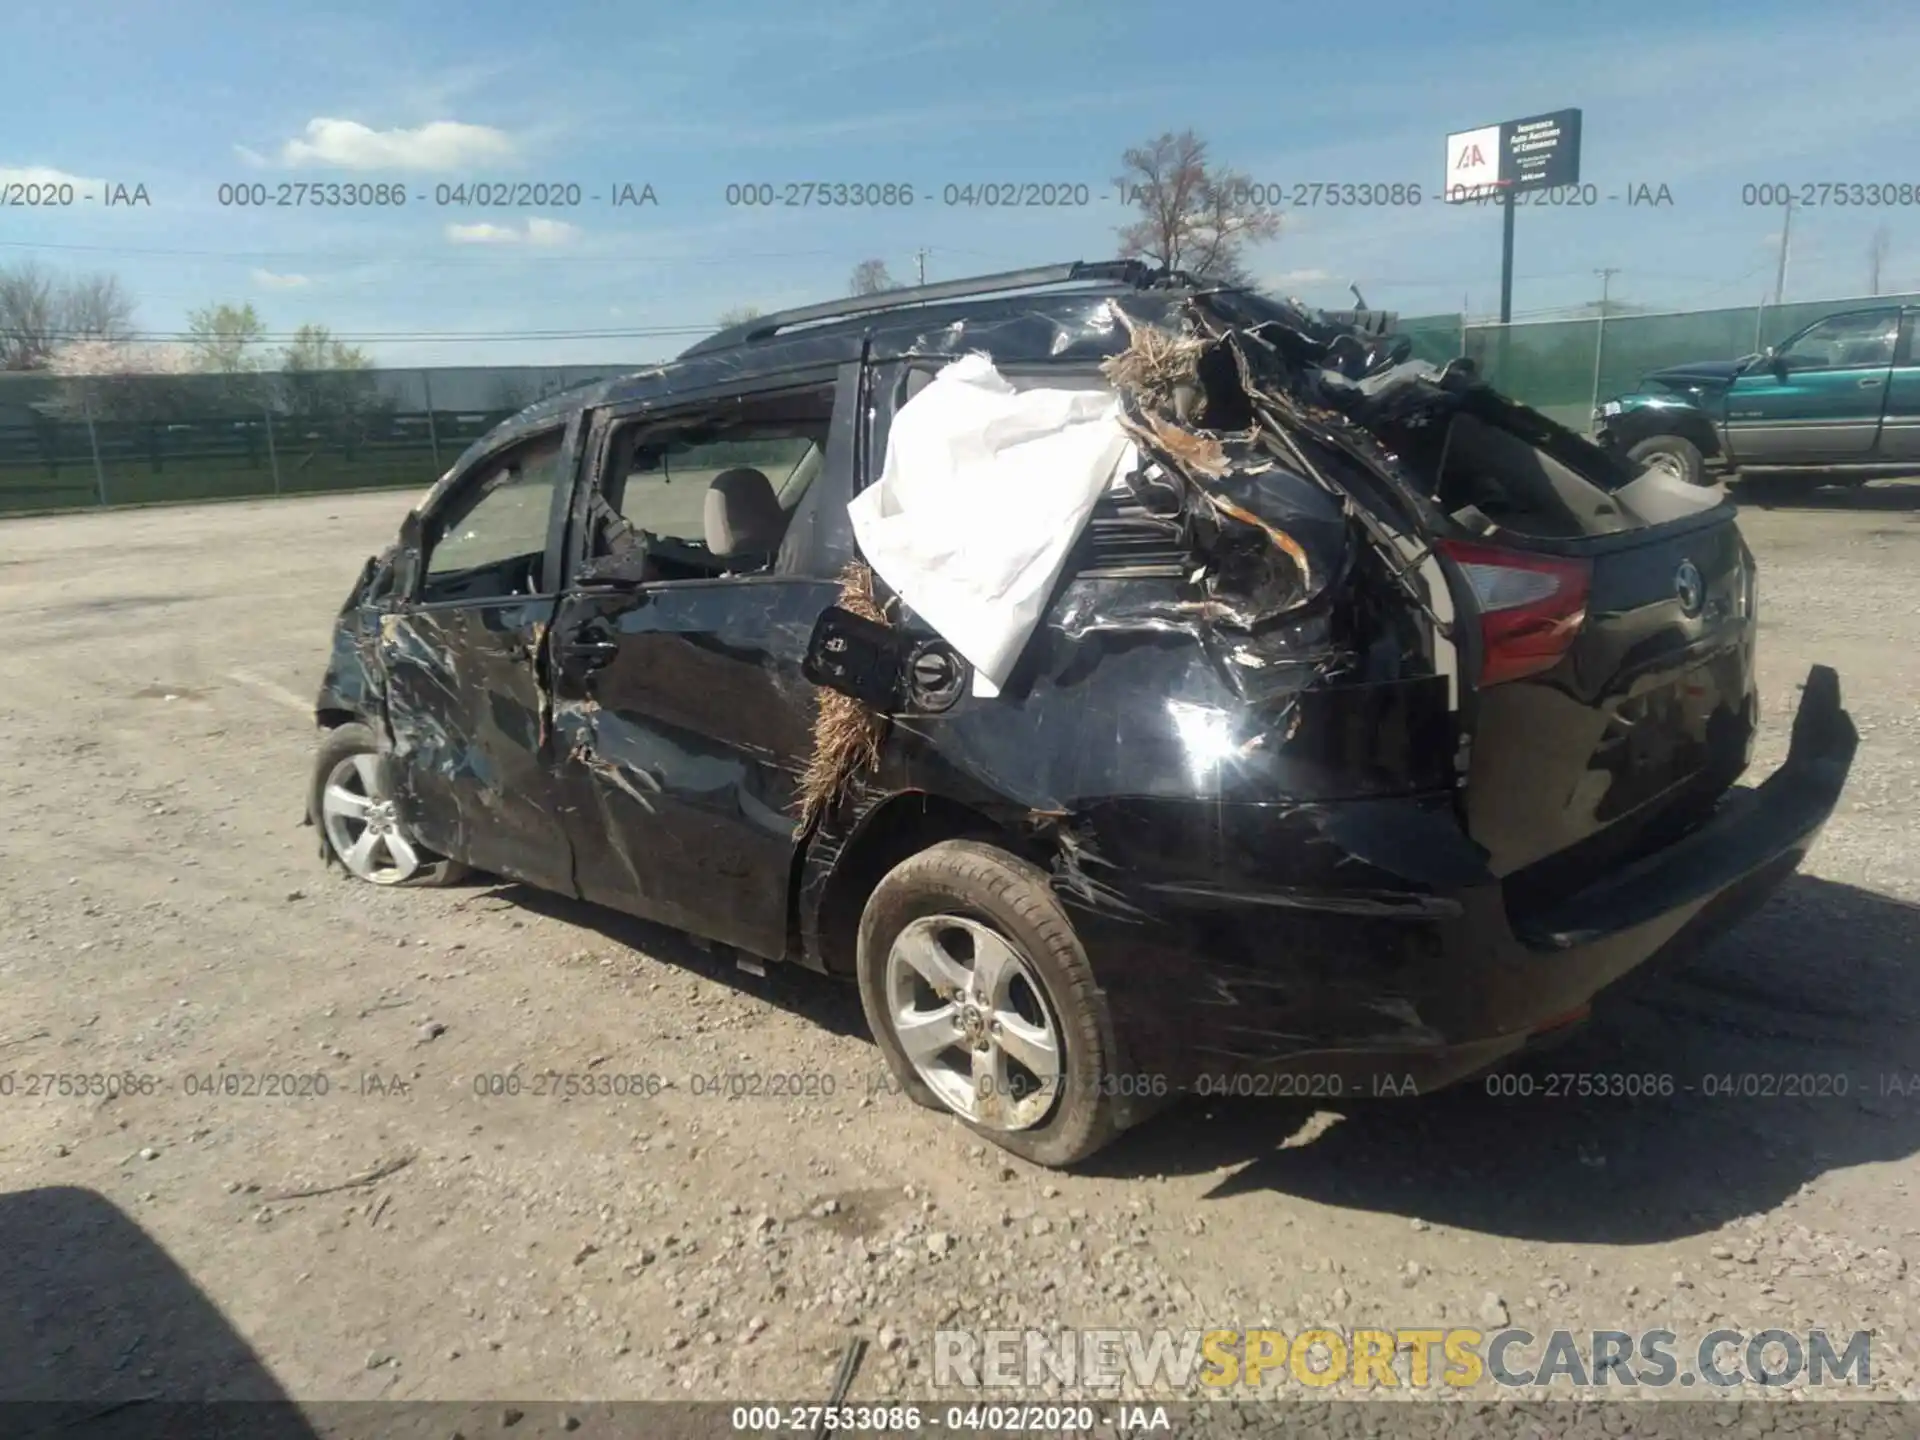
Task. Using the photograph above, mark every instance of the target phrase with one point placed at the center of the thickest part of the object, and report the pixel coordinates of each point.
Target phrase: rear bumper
(1754, 832)
(1408, 999)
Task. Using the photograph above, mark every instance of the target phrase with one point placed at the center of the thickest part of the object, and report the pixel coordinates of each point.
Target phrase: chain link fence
(68, 442)
(1566, 367)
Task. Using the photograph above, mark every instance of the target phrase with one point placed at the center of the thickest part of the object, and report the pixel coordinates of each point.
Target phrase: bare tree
(1876, 259)
(1194, 216)
(40, 312)
(96, 307)
(870, 277)
(739, 315)
(29, 317)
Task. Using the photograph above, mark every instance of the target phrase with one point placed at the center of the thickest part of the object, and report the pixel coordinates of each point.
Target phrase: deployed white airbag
(984, 491)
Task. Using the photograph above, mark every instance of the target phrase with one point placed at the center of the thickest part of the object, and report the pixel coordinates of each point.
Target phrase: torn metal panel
(1250, 931)
(466, 711)
(984, 490)
(681, 725)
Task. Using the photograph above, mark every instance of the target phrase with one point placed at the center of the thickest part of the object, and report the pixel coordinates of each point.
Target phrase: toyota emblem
(1689, 587)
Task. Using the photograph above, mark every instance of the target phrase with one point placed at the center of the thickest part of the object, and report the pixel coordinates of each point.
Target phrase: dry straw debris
(846, 734)
(1156, 365)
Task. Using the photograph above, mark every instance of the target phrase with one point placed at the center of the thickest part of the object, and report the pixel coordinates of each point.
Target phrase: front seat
(743, 518)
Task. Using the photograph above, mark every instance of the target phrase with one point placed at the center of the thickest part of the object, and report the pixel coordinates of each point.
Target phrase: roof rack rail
(1136, 273)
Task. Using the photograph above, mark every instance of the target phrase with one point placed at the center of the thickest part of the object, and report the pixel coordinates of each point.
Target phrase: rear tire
(966, 946)
(1676, 452)
(347, 794)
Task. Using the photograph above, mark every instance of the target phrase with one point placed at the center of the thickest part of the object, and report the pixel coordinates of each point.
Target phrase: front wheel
(981, 998)
(351, 803)
(1675, 454)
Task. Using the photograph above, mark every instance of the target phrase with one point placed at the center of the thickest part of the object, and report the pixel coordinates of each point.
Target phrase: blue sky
(690, 97)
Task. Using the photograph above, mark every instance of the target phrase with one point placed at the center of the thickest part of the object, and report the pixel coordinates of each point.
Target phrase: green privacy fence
(1566, 367)
(68, 442)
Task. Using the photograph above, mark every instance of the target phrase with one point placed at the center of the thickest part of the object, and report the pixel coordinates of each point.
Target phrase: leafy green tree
(227, 339)
(332, 386)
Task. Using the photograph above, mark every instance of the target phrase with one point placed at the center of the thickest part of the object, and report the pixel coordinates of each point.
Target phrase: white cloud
(42, 175)
(1301, 277)
(267, 280)
(542, 231)
(482, 234)
(439, 145)
(538, 231)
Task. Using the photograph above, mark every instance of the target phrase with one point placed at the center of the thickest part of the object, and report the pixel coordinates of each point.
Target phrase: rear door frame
(1900, 419)
(609, 815)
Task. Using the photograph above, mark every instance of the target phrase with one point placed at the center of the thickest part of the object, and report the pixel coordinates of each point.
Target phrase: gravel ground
(163, 916)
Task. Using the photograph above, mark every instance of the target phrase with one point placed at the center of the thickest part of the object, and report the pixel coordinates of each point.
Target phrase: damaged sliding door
(681, 716)
(461, 655)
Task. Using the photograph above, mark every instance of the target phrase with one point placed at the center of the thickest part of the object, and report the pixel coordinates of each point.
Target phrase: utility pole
(1786, 236)
(1876, 257)
(920, 265)
(1606, 274)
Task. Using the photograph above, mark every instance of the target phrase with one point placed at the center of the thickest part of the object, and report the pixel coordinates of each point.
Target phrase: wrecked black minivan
(1300, 719)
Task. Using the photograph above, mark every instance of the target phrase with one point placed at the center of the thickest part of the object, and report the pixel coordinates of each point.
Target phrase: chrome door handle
(1869, 384)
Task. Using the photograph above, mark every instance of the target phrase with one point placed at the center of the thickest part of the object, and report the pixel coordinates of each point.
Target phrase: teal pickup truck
(1838, 402)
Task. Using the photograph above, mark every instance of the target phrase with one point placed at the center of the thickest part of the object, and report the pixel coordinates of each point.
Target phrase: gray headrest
(743, 515)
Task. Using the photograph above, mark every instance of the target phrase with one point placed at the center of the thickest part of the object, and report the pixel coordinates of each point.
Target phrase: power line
(397, 336)
(435, 258)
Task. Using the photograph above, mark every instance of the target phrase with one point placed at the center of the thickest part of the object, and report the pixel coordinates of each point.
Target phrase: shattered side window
(665, 489)
(710, 492)
(491, 539)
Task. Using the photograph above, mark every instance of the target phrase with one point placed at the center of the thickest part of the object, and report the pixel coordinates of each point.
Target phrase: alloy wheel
(972, 1016)
(362, 825)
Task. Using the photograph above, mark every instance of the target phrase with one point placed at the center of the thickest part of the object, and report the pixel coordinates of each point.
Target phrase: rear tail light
(1531, 606)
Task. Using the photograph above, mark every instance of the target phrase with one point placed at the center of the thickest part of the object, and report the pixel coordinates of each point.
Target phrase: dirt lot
(163, 917)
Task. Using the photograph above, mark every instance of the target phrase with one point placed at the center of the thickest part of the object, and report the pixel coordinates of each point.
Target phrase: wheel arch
(838, 871)
(1650, 423)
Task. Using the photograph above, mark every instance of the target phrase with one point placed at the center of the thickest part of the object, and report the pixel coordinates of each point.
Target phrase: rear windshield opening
(1519, 486)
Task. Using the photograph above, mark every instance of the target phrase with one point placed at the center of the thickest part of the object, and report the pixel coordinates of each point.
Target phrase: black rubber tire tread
(354, 738)
(988, 884)
(1692, 463)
